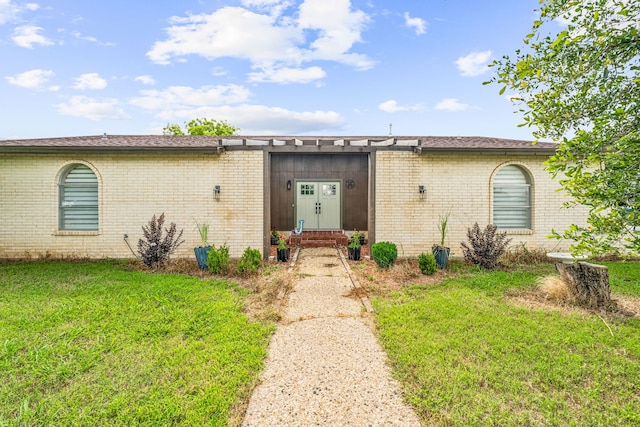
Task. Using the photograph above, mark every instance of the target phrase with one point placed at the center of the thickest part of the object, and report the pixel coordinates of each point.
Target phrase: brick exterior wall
(461, 183)
(136, 185)
(132, 188)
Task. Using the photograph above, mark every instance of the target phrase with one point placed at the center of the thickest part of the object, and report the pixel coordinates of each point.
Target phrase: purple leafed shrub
(155, 248)
(485, 247)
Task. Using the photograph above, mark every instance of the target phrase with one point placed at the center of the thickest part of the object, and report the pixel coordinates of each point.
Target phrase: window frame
(63, 185)
(528, 207)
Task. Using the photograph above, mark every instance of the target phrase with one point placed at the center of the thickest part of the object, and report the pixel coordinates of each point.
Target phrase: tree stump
(589, 283)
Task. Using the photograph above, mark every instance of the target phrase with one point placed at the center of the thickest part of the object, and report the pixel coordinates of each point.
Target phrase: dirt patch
(270, 287)
(537, 299)
(403, 273)
(357, 293)
(269, 291)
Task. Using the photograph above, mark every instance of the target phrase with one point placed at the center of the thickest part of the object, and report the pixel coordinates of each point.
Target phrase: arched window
(78, 190)
(512, 198)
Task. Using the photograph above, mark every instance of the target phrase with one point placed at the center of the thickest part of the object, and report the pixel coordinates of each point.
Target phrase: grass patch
(624, 277)
(91, 343)
(467, 356)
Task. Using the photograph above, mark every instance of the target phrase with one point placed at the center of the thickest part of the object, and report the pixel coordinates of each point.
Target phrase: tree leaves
(581, 86)
(201, 126)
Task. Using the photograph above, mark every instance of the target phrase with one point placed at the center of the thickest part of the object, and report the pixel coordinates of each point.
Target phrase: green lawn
(466, 355)
(95, 343)
(92, 343)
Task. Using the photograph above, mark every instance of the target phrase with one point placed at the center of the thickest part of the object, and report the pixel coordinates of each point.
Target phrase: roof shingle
(189, 142)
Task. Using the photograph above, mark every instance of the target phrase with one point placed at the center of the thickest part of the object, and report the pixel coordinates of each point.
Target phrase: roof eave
(88, 150)
(485, 150)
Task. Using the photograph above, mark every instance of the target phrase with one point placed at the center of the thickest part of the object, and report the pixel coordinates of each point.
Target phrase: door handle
(319, 208)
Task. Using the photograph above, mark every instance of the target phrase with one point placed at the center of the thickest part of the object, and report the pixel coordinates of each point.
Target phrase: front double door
(319, 204)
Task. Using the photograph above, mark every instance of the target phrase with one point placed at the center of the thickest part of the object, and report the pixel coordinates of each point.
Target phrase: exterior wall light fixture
(288, 185)
(216, 192)
(422, 191)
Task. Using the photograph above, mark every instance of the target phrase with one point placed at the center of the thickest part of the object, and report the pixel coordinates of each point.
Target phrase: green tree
(580, 86)
(201, 127)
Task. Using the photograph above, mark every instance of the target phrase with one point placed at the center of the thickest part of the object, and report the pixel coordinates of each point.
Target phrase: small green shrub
(218, 260)
(250, 261)
(427, 263)
(384, 254)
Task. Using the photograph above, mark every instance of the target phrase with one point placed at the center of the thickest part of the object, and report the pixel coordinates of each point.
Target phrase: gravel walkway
(325, 367)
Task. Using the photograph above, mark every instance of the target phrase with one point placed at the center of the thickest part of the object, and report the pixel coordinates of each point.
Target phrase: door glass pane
(329, 189)
(307, 189)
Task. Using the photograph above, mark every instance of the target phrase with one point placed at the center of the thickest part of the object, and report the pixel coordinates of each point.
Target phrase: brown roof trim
(215, 144)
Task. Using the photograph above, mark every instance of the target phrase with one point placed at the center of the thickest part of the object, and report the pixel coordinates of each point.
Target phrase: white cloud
(419, 24)
(451, 104)
(178, 103)
(217, 35)
(274, 7)
(392, 106)
(474, 64)
(27, 36)
(80, 36)
(32, 79)
(177, 97)
(264, 120)
(145, 80)
(90, 81)
(288, 75)
(89, 108)
(8, 11)
(321, 30)
(218, 71)
(339, 29)
(260, 3)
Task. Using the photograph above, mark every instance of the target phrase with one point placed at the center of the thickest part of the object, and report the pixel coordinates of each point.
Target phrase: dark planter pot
(283, 255)
(354, 253)
(202, 253)
(441, 255)
(274, 240)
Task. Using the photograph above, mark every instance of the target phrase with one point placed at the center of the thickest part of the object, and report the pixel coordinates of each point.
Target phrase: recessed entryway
(349, 172)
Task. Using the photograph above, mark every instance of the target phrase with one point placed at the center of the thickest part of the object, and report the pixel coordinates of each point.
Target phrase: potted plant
(202, 252)
(440, 251)
(355, 245)
(283, 251)
(275, 237)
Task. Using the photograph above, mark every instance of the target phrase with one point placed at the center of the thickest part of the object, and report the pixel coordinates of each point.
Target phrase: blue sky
(276, 67)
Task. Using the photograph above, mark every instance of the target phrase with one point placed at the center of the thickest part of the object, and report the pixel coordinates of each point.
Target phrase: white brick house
(79, 196)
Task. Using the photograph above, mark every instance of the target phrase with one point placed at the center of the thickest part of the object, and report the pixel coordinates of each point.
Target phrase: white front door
(318, 203)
